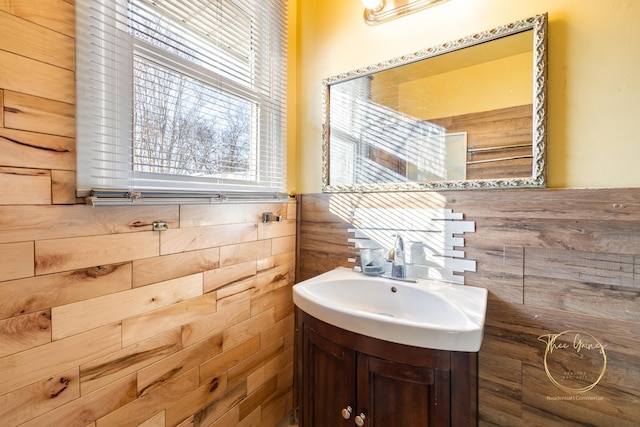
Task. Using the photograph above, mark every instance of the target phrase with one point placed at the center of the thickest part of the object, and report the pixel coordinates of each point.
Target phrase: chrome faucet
(398, 261)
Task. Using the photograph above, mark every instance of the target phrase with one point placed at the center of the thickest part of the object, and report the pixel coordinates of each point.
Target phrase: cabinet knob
(346, 412)
(360, 420)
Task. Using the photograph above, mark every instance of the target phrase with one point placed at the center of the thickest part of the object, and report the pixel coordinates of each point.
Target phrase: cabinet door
(395, 394)
(329, 381)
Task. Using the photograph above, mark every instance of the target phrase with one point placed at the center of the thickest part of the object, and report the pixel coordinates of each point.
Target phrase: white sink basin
(428, 314)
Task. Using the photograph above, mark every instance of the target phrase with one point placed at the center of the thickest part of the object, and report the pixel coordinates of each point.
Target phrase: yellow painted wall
(506, 82)
(292, 67)
(593, 88)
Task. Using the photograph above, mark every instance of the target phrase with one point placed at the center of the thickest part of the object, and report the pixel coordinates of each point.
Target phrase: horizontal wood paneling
(215, 366)
(619, 205)
(273, 230)
(100, 372)
(88, 314)
(214, 323)
(243, 368)
(16, 261)
(235, 254)
(57, 15)
(200, 397)
(29, 149)
(253, 401)
(24, 332)
(81, 411)
(136, 297)
(25, 39)
(43, 81)
(225, 276)
(182, 361)
(25, 186)
(246, 329)
(63, 187)
(237, 291)
(20, 223)
(283, 245)
(553, 261)
(487, 132)
(24, 368)
(191, 239)
(39, 398)
(138, 410)
(153, 270)
(53, 256)
(42, 292)
(225, 412)
(157, 420)
(580, 281)
(502, 271)
(104, 322)
(157, 321)
(203, 215)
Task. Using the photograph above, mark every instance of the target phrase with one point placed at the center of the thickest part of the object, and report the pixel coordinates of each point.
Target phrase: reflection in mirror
(466, 114)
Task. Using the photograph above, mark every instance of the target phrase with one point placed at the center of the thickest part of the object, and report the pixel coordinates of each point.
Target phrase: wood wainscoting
(498, 141)
(104, 322)
(553, 261)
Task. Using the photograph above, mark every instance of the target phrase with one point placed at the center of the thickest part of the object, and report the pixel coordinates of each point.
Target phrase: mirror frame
(538, 25)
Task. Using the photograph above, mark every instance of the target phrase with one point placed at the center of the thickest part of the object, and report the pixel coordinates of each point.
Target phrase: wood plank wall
(553, 261)
(104, 322)
(498, 141)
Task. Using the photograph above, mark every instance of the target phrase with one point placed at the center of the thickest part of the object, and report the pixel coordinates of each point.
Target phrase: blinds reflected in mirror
(373, 143)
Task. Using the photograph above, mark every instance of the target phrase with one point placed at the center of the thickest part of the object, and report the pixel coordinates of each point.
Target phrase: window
(180, 97)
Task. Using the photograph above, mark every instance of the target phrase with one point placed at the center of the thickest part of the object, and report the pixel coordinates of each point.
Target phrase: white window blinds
(181, 97)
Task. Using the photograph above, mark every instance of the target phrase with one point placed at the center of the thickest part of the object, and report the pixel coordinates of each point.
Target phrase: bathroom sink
(428, 314)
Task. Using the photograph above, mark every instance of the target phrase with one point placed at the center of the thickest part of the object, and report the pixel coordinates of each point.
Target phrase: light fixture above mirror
(374, 5)
(378, 11)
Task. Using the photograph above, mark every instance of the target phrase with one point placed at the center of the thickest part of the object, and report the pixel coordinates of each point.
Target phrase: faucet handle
(390, 255)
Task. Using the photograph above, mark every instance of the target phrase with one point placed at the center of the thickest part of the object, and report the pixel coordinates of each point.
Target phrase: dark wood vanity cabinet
(347, 379)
